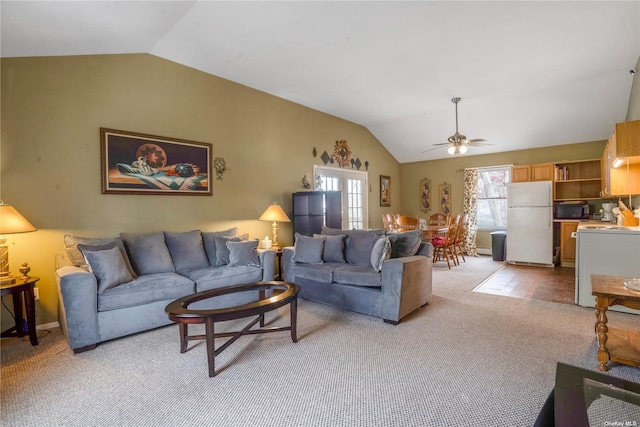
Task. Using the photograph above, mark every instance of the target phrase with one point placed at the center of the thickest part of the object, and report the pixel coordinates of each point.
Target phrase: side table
(17, 290)
(618, 345)
(280, 276)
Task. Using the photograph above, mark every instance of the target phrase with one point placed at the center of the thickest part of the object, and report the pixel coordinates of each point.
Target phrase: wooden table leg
(17, 312)
(30, 305)
(602, 304)
(184, 334)
(293, 308)
(211, 348)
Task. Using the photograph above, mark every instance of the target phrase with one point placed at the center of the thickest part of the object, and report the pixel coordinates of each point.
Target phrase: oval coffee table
(283, 293)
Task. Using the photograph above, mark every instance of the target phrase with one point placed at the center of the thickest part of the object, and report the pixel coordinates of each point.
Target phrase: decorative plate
(633, 284)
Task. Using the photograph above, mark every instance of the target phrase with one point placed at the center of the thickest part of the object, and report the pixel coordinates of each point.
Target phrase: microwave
(571, 211)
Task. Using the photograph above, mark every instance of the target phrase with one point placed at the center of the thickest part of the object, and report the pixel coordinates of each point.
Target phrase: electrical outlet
(36, 294)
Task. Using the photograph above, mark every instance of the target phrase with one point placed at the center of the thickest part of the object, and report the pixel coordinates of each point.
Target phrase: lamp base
(7, 280)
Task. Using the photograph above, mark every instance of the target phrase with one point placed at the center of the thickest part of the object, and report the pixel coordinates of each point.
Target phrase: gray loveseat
(381, 274)
(112, 287)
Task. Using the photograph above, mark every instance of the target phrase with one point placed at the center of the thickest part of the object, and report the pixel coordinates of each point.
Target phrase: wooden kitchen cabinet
(568, 243)
(623, 144)
(577, 180)
(527, 173)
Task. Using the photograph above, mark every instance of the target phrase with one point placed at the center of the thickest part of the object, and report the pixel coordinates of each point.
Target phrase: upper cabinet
(577, 180)
(621, 161)
(537, 172)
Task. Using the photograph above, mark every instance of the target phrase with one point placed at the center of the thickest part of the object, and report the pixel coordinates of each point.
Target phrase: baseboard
(483, 251)
(47, 326)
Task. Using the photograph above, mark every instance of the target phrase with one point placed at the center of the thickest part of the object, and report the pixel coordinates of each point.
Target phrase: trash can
(499, 245)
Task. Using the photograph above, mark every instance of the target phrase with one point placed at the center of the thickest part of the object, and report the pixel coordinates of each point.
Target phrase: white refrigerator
(530, 223)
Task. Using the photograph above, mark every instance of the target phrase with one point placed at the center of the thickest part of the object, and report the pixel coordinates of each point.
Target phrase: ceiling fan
(458, 144)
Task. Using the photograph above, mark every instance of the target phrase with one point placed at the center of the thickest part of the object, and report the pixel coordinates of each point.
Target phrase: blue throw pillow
(359, 246)
(405, 244)
(109, 268)
(333, 247)
(113, 243)
(243, 253)
(209, 240)
(308, 249)
(222, 250)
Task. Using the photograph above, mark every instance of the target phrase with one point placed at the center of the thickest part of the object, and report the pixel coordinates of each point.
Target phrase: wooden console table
(617, 345)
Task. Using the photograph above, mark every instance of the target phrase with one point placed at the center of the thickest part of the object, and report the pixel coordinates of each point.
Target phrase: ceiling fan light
(463, 149)
(451, 150)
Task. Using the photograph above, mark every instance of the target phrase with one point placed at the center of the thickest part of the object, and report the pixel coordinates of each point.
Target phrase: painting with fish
(136, 163)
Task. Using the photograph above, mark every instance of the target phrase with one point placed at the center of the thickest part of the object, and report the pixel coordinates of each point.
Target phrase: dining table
(431, 231)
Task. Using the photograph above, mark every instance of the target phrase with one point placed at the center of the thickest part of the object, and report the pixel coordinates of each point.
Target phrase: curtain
(470, 207)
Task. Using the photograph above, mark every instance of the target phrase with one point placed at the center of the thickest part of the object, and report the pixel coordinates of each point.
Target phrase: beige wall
(52, 109)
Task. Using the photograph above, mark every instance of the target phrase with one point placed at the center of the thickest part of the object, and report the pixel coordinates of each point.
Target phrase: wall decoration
(221, 167)
(342, 153)
(366, 164)
(425, 195)
(135, 163)
(314, 152)
(326, 157)
(385, 190)
(306, 184)
(445, 198)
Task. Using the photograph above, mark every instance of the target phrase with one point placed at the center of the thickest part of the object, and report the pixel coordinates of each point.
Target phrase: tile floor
(555, 284)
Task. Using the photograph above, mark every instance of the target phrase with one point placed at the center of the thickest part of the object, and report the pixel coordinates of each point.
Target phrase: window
(491, 198)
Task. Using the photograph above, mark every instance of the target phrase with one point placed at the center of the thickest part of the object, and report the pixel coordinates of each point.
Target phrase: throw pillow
(187, 250)
(116, 243)
(208, 238)
(380, 253)
(333, 247)
(222, 251)
(308, 249)
(149, 253)
(359, 247)
(406, 243)
(109, 268)
(243, 253)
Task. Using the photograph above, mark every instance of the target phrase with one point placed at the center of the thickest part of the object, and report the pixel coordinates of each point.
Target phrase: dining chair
(460, 237)
(439, 219)
(406, 223)
(388, 222)
(444, 247)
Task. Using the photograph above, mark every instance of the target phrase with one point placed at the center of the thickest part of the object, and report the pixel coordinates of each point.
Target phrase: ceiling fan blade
(480, 144)
(435, 148)
(443, 143)
(476, 140)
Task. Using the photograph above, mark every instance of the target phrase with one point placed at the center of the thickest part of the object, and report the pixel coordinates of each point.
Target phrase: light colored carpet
(465, 359)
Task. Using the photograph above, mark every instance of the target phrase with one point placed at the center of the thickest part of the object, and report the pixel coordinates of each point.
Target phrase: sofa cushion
(107, 265)
(148, 252)
(359, 247)
(243, 253)
(76, 256)
(405, 244)
(308, 250)
(357, 275)
(187, 249)
(333, 247)
(222, 251)
(146, 289)
(208, 238)
(317, 272)
(380, 253)
(216, 277)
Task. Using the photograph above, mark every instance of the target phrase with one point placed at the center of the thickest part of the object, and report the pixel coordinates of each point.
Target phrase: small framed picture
(445, 198)
(135, 163)
(385, 190)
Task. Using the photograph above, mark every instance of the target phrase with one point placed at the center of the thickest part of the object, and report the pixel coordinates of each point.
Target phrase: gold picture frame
(385, 191)
(445, 198)
(425, 195)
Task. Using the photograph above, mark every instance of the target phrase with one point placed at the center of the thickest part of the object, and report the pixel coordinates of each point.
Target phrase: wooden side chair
(444, 247)
(406, 223)
(438, 219)
(388, 222)
(462, 230)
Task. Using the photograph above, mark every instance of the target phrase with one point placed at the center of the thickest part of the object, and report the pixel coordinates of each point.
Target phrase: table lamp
(11, 222)
(274, 213)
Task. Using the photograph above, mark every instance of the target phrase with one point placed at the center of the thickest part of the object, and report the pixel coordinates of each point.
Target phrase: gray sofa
(381, 274)
(112, 287)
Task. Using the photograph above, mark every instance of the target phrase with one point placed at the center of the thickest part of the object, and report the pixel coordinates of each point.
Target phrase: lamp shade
(11, 222)
(274, 213)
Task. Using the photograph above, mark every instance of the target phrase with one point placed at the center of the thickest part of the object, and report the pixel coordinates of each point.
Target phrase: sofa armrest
(406, 285)
(268, 262)
(287, 263)
(425, 249)
(78, 300)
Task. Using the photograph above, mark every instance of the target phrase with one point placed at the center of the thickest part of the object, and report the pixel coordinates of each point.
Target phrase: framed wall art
(425, 195)
(445, 198)
(135, 163)
(385, 190)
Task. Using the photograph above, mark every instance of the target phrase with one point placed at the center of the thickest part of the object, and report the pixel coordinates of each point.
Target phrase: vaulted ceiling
(530, 74)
